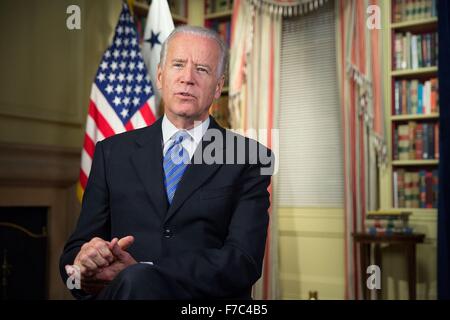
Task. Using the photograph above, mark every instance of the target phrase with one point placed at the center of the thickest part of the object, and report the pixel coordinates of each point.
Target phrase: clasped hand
(100, 261)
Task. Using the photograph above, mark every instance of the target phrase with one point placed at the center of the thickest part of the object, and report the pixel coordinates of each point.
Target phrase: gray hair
(202, 32)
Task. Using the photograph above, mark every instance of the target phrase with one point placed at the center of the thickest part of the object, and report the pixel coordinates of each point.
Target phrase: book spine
(419, 142)
(431, 150)
(425, 141)
(403, 142)
(401, 188)
(408, 190)
(395, 188)
(419, 109)
(411, 135)
(436, 140)
(423, 189)
(397, 103)
(435, 175)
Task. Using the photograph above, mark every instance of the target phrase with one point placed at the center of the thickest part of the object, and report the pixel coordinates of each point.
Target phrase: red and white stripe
(103, 122)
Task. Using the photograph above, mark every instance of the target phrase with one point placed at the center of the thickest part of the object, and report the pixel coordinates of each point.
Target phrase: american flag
(121, 96)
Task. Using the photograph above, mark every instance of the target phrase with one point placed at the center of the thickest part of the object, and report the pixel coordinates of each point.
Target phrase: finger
(102, 247)
(78, 264)
(118, 252)
(107, 255)
(105, 252)
(100, 261)
(88, 264)
(86, 261)
(98, 242)
(126, 242)
(93, 255)
(112, 243)
(88, 252)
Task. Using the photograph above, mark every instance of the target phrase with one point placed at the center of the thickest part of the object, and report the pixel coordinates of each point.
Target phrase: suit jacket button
(167, 233)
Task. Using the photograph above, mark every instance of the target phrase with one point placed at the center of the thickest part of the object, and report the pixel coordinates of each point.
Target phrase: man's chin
(191, 115)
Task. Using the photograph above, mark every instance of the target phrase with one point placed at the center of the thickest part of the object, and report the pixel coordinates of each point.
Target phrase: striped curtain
(359, 59)
(254, 96)
(253, 92)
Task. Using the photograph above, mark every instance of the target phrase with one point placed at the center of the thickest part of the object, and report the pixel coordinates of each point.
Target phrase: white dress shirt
(195, 135)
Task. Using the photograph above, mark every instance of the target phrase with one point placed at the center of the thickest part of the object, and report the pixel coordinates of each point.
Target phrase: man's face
(189, 81)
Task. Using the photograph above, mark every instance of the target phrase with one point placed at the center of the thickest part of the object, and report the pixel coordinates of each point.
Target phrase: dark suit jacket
(210, 241)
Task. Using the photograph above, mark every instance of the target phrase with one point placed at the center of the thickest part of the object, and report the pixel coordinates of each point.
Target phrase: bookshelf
(414, 162)
(416, 24)
(178, 8)
(417, 72)
(218, 17)
(413, 104)
(414, 117)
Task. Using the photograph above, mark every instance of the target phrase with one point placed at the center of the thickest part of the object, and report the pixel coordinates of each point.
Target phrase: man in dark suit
(177, 210)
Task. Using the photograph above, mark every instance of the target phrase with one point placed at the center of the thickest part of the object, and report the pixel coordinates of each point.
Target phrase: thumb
(125, 242)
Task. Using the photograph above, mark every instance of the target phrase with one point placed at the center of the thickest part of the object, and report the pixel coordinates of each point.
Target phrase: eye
(177, 64)
(202, 70)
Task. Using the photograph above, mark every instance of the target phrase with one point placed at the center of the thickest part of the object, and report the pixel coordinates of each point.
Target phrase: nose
(187, 76)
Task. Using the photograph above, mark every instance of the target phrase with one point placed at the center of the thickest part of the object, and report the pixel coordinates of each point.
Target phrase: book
(388, 212)
(405, 10)
(389, 231)
(403, 142)
(415, 50)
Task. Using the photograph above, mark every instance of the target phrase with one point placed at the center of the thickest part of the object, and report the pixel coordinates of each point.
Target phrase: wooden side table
(409, 241)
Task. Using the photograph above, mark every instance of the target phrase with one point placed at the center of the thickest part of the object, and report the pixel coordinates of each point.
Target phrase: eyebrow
(196, 64)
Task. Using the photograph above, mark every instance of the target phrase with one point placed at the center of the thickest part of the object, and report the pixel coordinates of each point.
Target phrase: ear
(159, 77)
(219, 87)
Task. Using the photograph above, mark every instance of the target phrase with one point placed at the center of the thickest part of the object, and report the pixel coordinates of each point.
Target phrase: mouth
(185, 95)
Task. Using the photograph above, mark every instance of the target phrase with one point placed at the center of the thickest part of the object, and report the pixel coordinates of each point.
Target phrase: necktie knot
(180, 136)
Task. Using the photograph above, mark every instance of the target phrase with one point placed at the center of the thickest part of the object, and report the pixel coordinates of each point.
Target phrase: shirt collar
(196, 133)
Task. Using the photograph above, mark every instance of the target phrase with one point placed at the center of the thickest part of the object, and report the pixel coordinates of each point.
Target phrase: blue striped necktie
(175, 162)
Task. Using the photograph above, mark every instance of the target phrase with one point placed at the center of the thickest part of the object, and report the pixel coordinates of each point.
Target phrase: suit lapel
(147, 160)
(195, 174)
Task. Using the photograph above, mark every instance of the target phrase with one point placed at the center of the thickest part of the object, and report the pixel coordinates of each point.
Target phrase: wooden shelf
(401, 163)
(405, 117)
(415, 24)
(221, 14)
(428, 211)
(178, 18)
(141, 10)
(414, 72)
